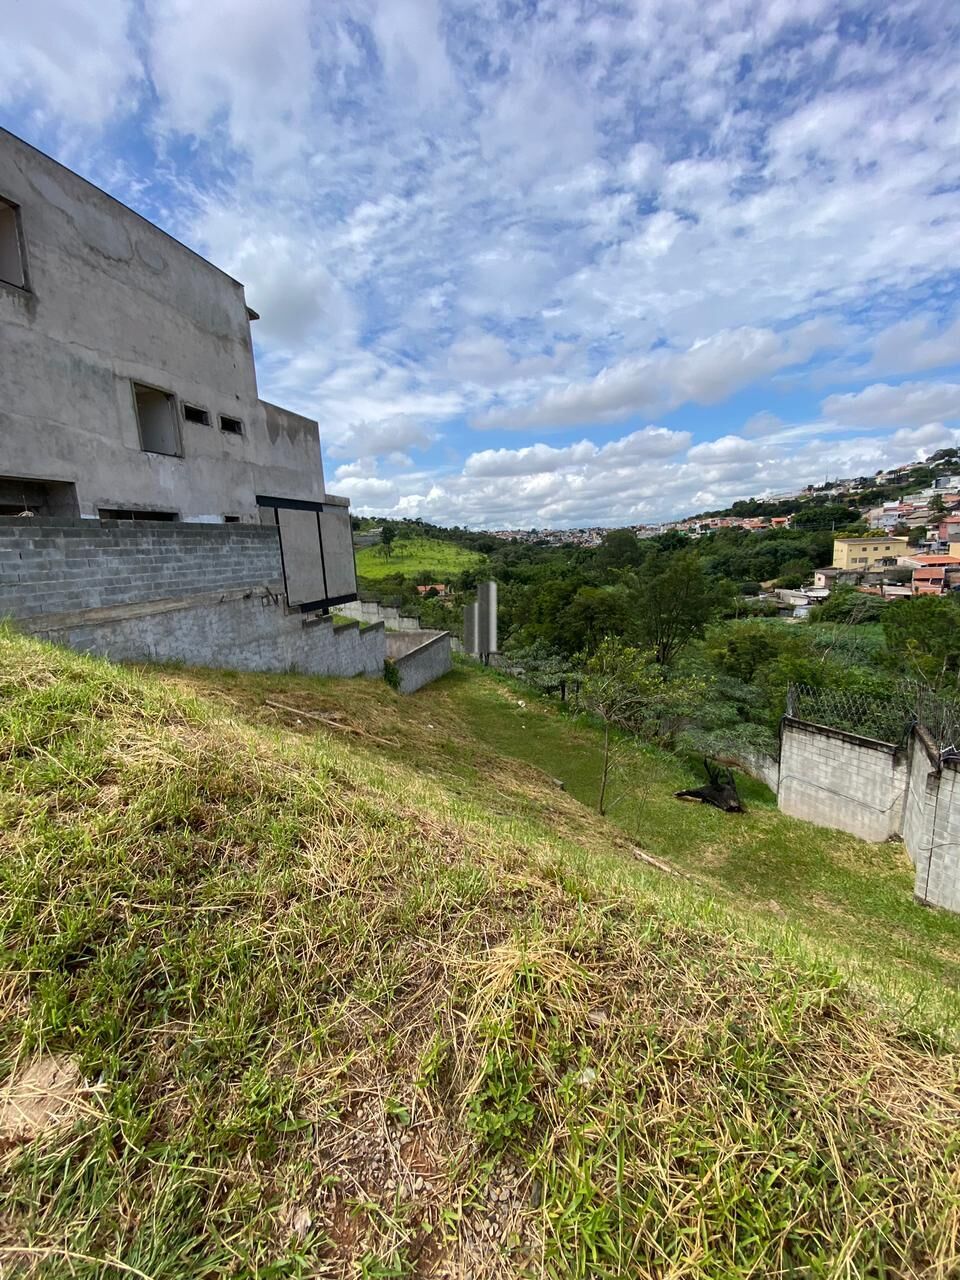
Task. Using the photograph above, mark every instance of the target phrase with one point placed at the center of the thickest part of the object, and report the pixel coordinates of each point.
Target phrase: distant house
(865, 553)
(934, 575)
(438, 589)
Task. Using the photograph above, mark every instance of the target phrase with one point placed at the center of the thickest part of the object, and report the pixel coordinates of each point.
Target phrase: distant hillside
(412, 556)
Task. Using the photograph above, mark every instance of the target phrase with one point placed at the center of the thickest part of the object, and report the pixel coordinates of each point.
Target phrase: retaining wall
(390, 616)
(371, 611)
(419, 656)
(876, 790)
(931, 828)
(164, 591)
(841, 780)
(237, 630)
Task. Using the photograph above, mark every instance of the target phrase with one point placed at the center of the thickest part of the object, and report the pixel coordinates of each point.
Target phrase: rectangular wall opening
(193, 413)
(12, 265)
(26, 498)
(233, 426)
(127, 513)
(158, 423)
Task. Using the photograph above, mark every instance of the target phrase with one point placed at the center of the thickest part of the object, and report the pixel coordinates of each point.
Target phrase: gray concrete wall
(235, 630)
(372, 611)
(838, 779)
(939, 881)
(922, 786)
(111, 299)
(875, 790)
(51, 566)
(420, 657)
(931, 823)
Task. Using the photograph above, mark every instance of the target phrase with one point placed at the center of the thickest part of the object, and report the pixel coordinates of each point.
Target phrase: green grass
(355, 1008)
(412, 556)
(852, 899)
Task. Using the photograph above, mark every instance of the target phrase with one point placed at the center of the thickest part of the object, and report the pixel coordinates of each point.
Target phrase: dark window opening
(159, 432)
(193, 413)
(12, 268)
(231, 425)
(231, 519)
(126, 513)
(20, 497)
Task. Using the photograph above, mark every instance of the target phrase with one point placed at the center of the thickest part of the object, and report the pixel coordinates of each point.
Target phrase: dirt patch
(44, 1096)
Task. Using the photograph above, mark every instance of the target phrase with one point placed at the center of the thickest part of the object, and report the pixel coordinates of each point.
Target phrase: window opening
(193, 413)
(12, 269)
(158, 424)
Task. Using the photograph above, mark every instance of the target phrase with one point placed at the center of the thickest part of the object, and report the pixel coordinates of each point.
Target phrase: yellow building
(955, 549)
(864, 553)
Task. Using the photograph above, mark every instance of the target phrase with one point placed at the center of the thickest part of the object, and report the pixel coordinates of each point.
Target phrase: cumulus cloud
(643, 477)
(573, 216)
(389, 437)
(707, 372)
(916, 344)
(70, 59)
(541, 459)
(882, 405)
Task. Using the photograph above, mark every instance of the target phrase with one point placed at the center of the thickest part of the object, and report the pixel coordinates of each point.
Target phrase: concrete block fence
(203, 594)
(878, 790)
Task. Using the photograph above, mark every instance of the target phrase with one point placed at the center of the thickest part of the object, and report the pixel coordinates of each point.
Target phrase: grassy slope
(354, 1009)
(417, 555)
(854, 898)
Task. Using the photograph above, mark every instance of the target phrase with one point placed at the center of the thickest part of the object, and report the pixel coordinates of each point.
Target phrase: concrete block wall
(420, 657)
(238, 631)
(60, 566)
(931, 826)
(164, 591)
(938, 882)
(919, 802)
(875, 790)
(838, 779)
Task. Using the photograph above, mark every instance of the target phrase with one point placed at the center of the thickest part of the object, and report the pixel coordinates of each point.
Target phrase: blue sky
(547, 262)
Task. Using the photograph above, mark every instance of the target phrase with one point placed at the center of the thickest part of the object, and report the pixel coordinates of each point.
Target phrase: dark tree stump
(720, 791)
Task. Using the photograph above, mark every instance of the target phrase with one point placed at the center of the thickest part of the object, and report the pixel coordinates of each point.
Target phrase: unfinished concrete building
(151, 504)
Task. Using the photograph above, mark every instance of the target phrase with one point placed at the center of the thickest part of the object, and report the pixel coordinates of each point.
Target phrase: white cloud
(590, 214)
(541, 459)
(882, 405)
(707, 372)
(915, 344)
(70, 59)
(387, 437)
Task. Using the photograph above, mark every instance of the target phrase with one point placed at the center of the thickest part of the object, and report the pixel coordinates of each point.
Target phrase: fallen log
(329, 723)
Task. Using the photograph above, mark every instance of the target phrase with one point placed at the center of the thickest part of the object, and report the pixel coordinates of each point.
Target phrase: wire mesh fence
(888, 719)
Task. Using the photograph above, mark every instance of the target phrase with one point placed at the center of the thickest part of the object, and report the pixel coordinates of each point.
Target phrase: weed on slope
(273, 1006)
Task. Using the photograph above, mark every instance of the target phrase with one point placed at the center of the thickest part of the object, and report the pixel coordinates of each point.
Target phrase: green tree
(674, 599)
(935, 505)
(592, 614)
(620, 549)
(916, 535)
(618, 685)
(923, 634)
(388, 535)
